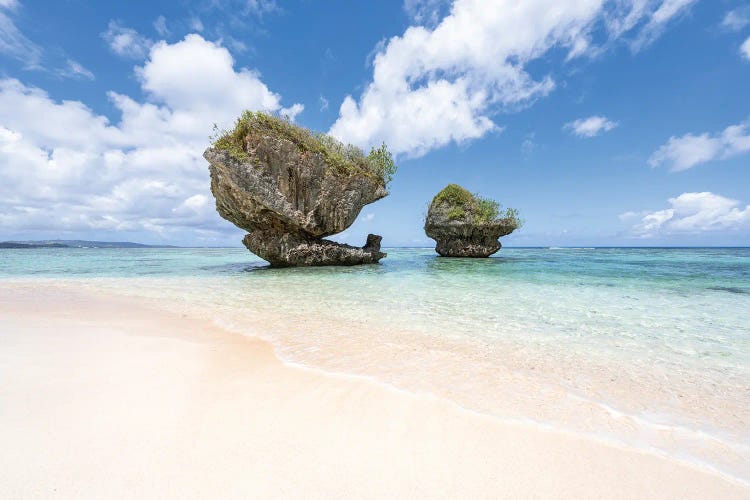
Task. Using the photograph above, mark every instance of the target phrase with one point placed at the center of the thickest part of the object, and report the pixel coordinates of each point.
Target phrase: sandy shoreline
(102, 397)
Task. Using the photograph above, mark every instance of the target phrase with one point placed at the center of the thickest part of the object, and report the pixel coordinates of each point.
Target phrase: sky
(604, 122)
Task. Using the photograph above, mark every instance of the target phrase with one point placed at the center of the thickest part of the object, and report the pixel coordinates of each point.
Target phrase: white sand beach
(102, 397)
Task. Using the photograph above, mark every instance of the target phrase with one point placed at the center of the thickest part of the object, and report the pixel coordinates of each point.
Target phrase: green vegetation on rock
(455, 196)
(486, 209)
(455, 213)
(462, 204)
(345, 158)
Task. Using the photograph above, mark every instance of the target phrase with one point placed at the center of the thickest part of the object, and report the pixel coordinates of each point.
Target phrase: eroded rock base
(299, 249)
(466, 248)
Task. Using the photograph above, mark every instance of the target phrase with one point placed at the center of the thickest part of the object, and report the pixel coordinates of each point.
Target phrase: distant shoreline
(76, 244)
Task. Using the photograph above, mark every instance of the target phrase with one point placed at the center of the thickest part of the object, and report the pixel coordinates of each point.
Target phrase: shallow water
(648, 347)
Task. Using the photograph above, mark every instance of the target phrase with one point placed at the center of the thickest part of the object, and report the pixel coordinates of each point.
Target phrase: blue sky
(605, 122)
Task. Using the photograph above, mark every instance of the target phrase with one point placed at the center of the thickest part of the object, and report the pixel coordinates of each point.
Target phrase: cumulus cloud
(745, 49)
(292, 111)
(691, 213)
(167, 78)
(78, 171)
(682, 153)
(126, 42)
(590, 127)
(434, 85)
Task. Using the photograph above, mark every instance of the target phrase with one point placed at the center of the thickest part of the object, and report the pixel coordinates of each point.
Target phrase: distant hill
(77, 244)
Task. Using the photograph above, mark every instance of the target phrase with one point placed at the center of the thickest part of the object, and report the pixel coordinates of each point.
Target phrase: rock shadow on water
(437, 263)
(234, 267)
(730, 289)
(265, 268)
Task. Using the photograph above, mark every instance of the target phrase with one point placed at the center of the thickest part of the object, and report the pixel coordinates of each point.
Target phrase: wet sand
(101, 396)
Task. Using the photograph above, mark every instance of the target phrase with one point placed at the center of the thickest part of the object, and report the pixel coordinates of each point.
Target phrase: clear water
(648, 347)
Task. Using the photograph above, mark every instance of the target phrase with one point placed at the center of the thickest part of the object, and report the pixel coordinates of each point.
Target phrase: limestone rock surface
(463, 226)
(288, 199)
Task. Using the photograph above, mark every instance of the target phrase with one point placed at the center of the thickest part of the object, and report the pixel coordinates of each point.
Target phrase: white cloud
(668, 10)
(237, 46)
(75, 69)
(745, 49)
(591, 126)
(436, 85)
(196, 24)
(160, 25)
(245, 8)
(260, 7)
(426, 12)
(126, 42)
(628, 215)
(13, 43)
(692, 213)
(736, 19)
(167, 78)
(682, 153)
(323, 103)
(292, 111)
(193, 205)
(528, 145)
(78, 171)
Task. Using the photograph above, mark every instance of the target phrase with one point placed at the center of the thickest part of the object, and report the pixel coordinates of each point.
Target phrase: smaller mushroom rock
(466, 225)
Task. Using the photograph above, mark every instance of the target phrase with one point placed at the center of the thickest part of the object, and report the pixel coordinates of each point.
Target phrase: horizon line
(165, 246)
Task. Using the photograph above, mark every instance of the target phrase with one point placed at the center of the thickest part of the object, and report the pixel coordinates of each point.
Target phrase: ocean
(643, 347)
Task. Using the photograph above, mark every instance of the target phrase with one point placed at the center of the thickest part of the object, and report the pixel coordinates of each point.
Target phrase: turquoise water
(627, 344)
(687, 301)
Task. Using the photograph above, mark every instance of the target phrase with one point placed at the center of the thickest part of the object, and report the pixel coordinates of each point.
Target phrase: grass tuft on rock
(345, 158)
(463, 205)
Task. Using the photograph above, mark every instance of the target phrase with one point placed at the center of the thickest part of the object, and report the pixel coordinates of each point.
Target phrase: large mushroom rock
(465, 225)
(288, 188)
